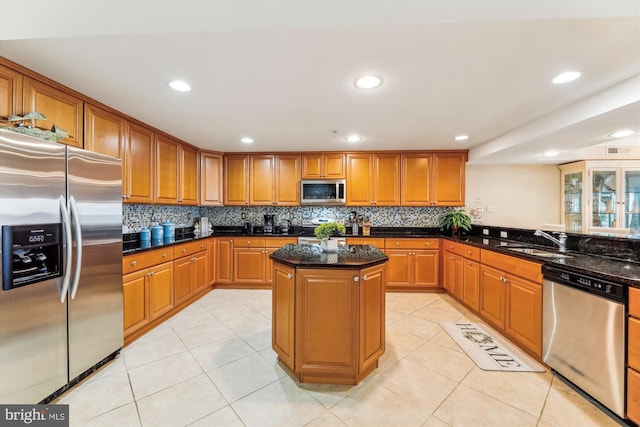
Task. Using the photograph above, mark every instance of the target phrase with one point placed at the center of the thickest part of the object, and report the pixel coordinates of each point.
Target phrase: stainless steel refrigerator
(61, 270)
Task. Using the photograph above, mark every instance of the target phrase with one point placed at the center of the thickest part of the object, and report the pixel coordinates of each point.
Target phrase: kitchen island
(329, 312)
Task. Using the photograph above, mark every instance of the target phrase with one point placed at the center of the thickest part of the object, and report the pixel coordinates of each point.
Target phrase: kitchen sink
(538, 252)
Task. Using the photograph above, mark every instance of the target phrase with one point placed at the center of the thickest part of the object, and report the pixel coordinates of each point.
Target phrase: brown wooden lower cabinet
(212, 254)
(190, 276)
(453, 277)
(524, 313)
(633, 395)
(505, 291)
(511, 298)
(251, 265)
(471, 284)
(492, 296)
(328, 324)
(414, 264)
(633, 356)
(147, 295)
(155, 286)
(224, 260)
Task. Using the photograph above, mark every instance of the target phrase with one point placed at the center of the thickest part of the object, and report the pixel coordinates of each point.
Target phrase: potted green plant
(456, 220)
(324, 233)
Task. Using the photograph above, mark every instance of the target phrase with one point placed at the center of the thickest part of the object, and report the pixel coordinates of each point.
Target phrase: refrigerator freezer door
(33, 322)
(95, 294)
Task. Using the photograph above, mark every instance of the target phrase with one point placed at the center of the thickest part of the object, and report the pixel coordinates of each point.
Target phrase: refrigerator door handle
(69, 242)
(78, 229)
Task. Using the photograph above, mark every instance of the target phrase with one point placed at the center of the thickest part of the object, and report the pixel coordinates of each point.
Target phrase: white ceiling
(283, 71)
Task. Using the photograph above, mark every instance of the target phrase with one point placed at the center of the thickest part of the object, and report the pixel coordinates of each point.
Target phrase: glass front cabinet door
(601, 197)
(573, 207)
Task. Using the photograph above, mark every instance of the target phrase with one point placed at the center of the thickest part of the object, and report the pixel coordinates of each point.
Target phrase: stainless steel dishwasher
(583, 333)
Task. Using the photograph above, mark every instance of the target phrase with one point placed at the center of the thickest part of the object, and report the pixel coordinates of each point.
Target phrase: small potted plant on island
(324, 233)
(456, 220)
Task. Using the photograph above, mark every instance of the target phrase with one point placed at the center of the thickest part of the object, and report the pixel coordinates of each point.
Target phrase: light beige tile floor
(212, 365)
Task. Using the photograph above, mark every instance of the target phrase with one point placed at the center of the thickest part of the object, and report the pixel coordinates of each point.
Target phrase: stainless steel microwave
(322, 192)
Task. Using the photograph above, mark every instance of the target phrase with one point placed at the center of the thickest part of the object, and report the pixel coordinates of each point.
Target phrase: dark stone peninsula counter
(311, 256)
(329, 312)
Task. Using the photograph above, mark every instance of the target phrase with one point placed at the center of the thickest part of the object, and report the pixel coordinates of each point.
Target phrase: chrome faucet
(561, 241)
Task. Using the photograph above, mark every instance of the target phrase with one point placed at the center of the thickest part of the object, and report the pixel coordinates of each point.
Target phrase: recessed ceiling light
(368, 82)
(461, 137)
(622, 133)
(551, 153)
(247, 140)
(354, 138)
(566, 77)
(180, 86)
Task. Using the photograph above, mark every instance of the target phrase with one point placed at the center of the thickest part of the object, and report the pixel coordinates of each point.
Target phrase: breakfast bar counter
(329, 312)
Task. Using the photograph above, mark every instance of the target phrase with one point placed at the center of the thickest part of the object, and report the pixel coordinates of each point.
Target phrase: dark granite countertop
(311, 256)
(617, 270)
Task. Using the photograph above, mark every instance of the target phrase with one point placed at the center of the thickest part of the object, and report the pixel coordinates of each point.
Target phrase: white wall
(523, 196)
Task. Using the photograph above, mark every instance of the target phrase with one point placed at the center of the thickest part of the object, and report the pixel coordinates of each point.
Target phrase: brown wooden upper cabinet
(210, 179)
(236, 179)
(433, 179)
(60, 108)
(373, 179)
(176, 172)
(104, 132)
(274, 180)
(138, 166)
(10, 92)
(328, 166)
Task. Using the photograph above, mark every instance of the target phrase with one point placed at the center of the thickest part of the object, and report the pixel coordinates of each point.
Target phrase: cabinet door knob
(184, 250)
(289, 275)
(364, 277)
(134, 263)
(164, 255)
(356, 279)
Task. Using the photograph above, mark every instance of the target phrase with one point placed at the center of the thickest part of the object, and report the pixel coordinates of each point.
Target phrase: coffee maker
(268, 223)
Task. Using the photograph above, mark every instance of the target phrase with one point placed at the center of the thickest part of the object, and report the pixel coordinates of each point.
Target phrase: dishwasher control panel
(605, 288)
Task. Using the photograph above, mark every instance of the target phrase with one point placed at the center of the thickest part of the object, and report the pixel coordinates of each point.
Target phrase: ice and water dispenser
(30, 254)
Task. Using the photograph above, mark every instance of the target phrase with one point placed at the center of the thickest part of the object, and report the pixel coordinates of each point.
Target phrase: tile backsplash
(138, 216)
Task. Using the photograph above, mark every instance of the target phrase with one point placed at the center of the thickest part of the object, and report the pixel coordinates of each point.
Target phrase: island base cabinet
(326, 316)
(283, 316)
(328, 324)
(372, 325)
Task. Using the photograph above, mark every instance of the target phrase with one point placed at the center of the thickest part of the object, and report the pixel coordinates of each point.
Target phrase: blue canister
(169, 229)
(145, 234)
(156, 232)
(145, 238)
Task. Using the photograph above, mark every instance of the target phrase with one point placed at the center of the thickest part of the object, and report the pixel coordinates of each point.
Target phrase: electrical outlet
(491, 209)
(485, 231)
(503, 235)
(244, 215)
(291, 216)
